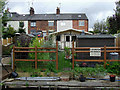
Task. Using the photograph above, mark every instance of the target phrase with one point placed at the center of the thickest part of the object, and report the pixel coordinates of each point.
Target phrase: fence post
(35, 57)
(73, 54)
(13, 58)
(57, 55)
(105, 56)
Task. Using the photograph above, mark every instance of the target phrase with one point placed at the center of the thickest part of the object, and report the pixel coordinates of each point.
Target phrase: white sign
(95, 51)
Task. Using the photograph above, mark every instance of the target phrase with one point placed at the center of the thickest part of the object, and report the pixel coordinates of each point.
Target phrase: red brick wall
(42, 25)
(76, 25)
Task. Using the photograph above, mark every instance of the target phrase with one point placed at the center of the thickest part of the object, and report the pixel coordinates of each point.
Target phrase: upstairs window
(50, 23)
(33, 24)
(81, 23)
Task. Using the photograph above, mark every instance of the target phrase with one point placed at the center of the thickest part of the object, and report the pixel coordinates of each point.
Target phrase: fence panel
(105, 51)
(35, 52)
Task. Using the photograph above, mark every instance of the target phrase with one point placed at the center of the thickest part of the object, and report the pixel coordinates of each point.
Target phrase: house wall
(42, 25)
(76, 25)
(64, 24)
(15, 25)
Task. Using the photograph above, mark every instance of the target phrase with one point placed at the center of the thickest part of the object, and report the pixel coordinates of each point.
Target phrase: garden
(48, 69)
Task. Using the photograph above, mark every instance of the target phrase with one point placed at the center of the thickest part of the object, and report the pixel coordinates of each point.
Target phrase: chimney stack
(58, 10)
(31, 10)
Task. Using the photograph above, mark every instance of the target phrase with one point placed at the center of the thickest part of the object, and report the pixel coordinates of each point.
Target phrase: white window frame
(33, 24)
(51, 22)
(81, 23)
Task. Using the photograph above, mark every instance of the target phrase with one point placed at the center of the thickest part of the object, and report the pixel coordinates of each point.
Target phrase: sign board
(95, 51)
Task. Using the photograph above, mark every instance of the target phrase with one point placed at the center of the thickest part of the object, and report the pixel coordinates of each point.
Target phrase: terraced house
(49, 22)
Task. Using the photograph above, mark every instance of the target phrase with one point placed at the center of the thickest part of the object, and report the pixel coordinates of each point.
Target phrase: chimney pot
(31, 10)
(58, 10)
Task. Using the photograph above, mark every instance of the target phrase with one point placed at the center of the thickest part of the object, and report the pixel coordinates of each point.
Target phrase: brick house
(50, 22)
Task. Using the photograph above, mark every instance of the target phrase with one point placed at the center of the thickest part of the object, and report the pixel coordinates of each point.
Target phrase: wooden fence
(87, 50)
(15, 50)
(104, 50)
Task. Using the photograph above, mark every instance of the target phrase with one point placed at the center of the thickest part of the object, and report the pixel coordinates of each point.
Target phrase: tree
(99, 27)
(114, 21)
(21, 29)
(2, 5)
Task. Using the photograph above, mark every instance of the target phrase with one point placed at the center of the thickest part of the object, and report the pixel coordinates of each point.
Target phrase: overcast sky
(94, 9)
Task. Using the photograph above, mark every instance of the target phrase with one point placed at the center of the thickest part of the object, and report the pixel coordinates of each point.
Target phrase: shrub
(23, 40)
(113, 67)
(6, 50)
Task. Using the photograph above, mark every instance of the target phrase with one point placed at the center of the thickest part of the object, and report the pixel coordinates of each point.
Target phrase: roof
(64, 16)
(75, 30)
(96, 36)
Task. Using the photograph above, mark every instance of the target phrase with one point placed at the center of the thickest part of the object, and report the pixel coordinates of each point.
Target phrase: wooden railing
(87, 50)
(16, 50)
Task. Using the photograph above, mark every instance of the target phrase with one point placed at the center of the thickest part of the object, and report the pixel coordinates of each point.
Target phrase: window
(58, 38)
(81, 23)
(67, 38)
(33, 24)
(73, 38)
(50, 23)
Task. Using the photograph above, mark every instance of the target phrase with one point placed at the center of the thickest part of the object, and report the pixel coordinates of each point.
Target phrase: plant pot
(112, 78)
(4, 41)
(82, 78)
(9, 40)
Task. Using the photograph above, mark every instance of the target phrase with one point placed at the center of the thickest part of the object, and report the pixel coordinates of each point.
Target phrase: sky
(96, 10)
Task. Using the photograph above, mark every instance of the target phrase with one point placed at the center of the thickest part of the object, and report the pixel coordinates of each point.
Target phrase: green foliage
(67, 51)
(118, 31)
(8, 32)
(51, 66)
(23, 40)
(24, 66)
(21, 24)
(5, 35)
(98, 71)
(113, 67)
(11, 32)
(21, 30)
(36, 73)
(6, 50)
(44, 56)
(100, 27)
(114, 21)
(62, 62)
(5, 17)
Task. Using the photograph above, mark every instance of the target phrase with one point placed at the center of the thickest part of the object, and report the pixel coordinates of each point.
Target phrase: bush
(98, 71)
(6, 50)
(22, 41)
(113, 67)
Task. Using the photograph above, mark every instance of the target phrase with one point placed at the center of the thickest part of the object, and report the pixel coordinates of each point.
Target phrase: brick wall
(42, 25)
(76, 25)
